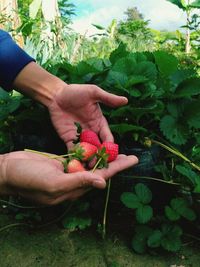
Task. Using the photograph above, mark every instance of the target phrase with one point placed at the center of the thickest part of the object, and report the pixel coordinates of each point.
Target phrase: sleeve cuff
(12, 60)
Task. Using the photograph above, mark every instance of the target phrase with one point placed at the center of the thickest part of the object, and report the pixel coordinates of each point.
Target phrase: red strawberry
(75, 165)
(85, 150)
(90, 137)
(112, 150)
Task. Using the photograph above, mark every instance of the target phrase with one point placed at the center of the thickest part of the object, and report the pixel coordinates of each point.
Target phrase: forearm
(3, 183)
(37, 83)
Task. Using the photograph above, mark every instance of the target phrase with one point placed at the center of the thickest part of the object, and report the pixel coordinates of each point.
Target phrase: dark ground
(56, 247)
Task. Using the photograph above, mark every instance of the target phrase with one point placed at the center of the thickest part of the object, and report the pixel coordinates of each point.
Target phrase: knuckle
(52, 188)
(84, 181)
(94, 88)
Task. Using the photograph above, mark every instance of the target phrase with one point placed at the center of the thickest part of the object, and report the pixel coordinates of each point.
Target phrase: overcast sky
(161, 13)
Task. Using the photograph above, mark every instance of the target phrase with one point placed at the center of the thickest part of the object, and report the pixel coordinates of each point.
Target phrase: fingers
(74, 195)
(110, 99)
(105, 132)
(85, 182)
(121, 163)
(71, 181)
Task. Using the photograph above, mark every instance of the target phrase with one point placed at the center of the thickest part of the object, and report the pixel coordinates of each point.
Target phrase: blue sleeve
(12, 60)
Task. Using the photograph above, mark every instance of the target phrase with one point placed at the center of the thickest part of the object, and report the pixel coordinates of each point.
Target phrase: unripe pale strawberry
(75, 165)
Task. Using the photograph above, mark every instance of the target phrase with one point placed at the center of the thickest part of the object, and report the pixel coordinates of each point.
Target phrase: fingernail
(99, 183)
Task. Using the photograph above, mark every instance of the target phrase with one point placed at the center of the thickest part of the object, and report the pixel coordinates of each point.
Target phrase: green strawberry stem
(96, 165)
(106, 203)
(177, 153)
(62, 156)
(105, 209)
(49, 156)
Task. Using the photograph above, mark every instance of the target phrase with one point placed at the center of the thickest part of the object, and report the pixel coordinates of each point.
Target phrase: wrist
(38, 83)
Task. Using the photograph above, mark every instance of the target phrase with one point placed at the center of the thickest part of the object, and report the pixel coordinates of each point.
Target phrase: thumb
(110, 99)
(83, 179)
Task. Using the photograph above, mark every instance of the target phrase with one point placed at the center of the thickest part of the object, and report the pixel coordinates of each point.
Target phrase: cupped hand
(80, 103)
(41, 179)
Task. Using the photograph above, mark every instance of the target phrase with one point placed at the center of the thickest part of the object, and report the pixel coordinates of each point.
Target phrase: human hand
(41, 179)
(68, 103)
(80, 103)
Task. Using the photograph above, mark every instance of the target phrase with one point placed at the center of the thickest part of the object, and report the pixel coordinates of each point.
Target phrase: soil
(54, 246)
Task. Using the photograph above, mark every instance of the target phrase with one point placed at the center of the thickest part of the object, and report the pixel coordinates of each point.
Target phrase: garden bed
(55, 246)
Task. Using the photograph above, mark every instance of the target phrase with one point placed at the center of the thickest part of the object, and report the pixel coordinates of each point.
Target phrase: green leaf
(180, 205)
(120, 52)
(125, 65)
(192, 115)
(130, 200)
(181, 75)
(190, 174)
(123, 128)
(187, 88)
(99, 27)
(96, 63)
(139, 244)
(4, 95)
(146, 69)
(76, 222)
(117, 78)
(195, 4)
(139, 241)
(135, 92)
(173, 130)
(144, 213)
(136, 79)
(144, 193)
(177, 3)
(167, 63)
(171, 229)
(8, 106)
(171, 240)
(84, 68)
(121, 112)
(154, 239)
(171, 243)
(171, 214)
(173, 110)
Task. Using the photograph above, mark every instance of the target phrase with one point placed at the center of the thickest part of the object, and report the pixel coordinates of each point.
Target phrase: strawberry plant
(155, 229)
(163, 111)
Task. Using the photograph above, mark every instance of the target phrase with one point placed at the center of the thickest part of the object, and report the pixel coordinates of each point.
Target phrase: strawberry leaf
(175, 131)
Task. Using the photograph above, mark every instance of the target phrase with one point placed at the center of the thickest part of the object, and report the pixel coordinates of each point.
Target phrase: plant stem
(62, 156)
(49, 156)
(96, 165)
(193, 237)
(152, 178)
(105, 209)
(37, 227)
(177, 153)
(106, 203)
(13, 225)
(19, 206)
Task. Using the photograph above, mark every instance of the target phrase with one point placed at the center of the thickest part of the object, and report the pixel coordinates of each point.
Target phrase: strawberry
(90, 137)
(85, 151)
(112, 150)
(75, 165)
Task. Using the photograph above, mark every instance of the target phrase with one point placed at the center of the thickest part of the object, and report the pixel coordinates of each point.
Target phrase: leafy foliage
(139, 201)
(78, 218)
(179, 207)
